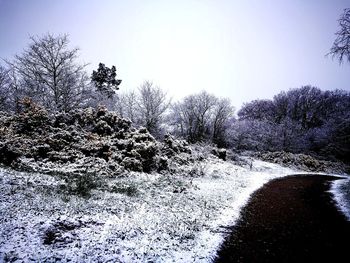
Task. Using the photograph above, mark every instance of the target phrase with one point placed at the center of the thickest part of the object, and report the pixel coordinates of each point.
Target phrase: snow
(235, 193)
(341, 194)
(168, 218)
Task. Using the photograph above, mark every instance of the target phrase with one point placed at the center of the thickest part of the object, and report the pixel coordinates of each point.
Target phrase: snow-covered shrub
(142, 135)
(84, 118)
(127, 189)
(32, 118)
(81, 184)
(303, 161)
(67, 141)
(58, 231)
(202, 151)
(147, 153)
(182, 159)
(99, 149)
(173, 146)
(41, 150)
(62, 157)
(221, 153)
(102, 128)
(5, 123)
(162, 163)
(8, 153)
(237, 159)
(132, 164)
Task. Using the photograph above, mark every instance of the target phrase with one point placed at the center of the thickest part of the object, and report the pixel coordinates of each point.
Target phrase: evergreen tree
(105, 80)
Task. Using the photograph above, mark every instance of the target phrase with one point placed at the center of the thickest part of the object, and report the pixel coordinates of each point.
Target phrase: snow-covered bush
(32, 118)
(132, 164)
(303, 162)
(162, 163)
(221, 153)
(147, 153)
(173, 146)
(81, 184)
(8, 153)
(127, 189)
(103, 128)
(35, 140)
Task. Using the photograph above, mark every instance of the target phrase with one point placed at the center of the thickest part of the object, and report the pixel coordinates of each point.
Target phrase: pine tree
(105, 80)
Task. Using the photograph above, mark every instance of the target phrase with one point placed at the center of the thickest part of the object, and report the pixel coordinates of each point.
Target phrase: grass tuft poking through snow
(136, 218)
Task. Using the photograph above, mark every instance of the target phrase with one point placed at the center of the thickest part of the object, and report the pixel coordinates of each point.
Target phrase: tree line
(49, 73)
(305, 119)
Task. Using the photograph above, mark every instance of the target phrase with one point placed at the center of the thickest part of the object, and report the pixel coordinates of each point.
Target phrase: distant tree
(221, 120)
(152, 104)
(290, 136)
(48, 72)
(203, 110)
(105, 80)
(257, 110)
(301, 105)
(202, 117)
(195, 116)
(253, 135)
(304, 106)
(281, 103)
(179, 119)
(5, 86)
(126, 104)
(341, 45)
(12, 90)
(306, 120)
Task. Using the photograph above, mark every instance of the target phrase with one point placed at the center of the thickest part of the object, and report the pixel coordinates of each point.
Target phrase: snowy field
(138, 218)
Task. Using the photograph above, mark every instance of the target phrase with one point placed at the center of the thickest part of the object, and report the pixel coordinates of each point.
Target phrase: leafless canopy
(49, 72)
(202, 117)
(152, 104)
(5, 83)
(341, 45)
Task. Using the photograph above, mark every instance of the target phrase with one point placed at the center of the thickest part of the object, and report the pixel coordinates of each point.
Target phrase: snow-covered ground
(341, 193)
(145, 218)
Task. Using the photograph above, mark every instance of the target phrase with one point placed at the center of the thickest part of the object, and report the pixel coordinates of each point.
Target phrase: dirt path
(291, 219)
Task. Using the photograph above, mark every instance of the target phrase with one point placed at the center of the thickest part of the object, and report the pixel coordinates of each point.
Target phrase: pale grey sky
(243, 50)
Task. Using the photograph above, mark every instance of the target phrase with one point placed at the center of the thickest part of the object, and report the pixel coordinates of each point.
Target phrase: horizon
(243, 51)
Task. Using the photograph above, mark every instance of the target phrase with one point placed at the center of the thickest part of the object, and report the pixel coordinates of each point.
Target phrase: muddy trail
(293, 219)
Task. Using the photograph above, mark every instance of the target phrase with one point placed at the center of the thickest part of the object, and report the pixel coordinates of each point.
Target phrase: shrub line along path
(292, 219)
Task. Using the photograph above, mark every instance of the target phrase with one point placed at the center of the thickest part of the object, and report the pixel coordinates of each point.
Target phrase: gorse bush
(36, 140)
(31, 117)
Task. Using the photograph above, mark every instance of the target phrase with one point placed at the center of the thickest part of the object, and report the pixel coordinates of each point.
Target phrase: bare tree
(126, 105)
(179, 119)
(5, 85)
(182, 119)
(151, 106)
(222, 115)
(257, 135)
(201, 117)
(204, 104)
(50, 73)
(305, 120)
(341, 45)
(11, 90)
(145, 107)
(257, 110)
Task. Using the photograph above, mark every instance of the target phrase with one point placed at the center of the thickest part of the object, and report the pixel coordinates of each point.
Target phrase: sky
(243, 50)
